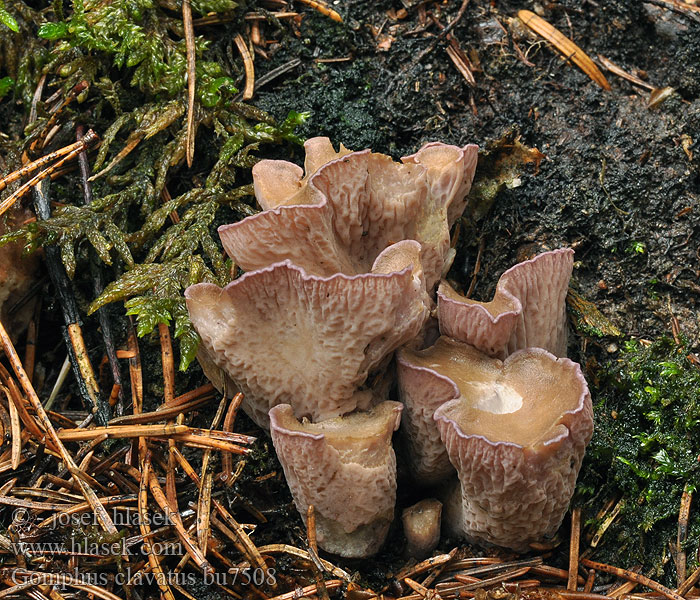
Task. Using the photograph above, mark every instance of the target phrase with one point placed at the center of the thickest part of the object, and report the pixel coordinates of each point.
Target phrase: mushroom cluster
(341, 270)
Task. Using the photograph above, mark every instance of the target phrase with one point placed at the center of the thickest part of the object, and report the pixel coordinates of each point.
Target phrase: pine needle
(564, 45)
(191, 77)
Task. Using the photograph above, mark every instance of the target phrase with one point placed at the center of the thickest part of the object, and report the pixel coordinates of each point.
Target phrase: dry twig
(103, 518)
(191, 77)
(248, 65)
(324, 9)
(564, 45)
(631, 576)
(573, 549)
(63, 155)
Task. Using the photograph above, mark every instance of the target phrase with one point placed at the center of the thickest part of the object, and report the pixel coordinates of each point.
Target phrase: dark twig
(477, 267)
(77, 89)
(683, 517)
(98, 283)
(276, 72)
(498, 567)
(467, 585)
(271, 76)
(438, 38)
(72, 333)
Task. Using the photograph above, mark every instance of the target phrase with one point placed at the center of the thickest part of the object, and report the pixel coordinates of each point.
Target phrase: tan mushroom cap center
(520, 401)
(360, 437)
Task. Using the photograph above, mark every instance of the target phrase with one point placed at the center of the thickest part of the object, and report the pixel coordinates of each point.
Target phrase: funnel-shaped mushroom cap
(516, 432)
(527, 311)
(284, 336)
(340, 218)
(346, 468)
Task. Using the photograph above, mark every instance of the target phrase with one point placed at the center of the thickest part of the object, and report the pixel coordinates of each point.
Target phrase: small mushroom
(515, 431)
(346, 468)
(339, 218)
(284, 336)
(527, 311)
(421, 526)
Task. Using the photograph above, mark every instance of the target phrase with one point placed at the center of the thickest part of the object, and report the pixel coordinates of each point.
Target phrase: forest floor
(613, 174)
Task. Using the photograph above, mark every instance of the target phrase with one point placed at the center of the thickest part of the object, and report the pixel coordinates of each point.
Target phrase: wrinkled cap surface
(284, 336)
(346, 468)
(279, 182)
(422, 391)
(340, 217)
(516, 432)
(528, 309)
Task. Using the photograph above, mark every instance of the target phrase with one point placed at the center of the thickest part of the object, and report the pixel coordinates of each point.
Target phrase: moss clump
(151, 221)
(645, 451)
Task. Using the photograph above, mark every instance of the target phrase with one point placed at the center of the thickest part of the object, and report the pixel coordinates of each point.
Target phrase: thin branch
(631, 576)
(248, 65)
(191, 77)
(572, 581)
(98, 283)
(72, 333)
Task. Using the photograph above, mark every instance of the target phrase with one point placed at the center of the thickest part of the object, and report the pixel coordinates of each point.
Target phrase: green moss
(645, 451)
(150, 221)
(7, 19)
(6, 84)
(137, 34)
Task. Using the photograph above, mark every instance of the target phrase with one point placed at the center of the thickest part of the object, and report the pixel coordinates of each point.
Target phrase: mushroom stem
(346, 468)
